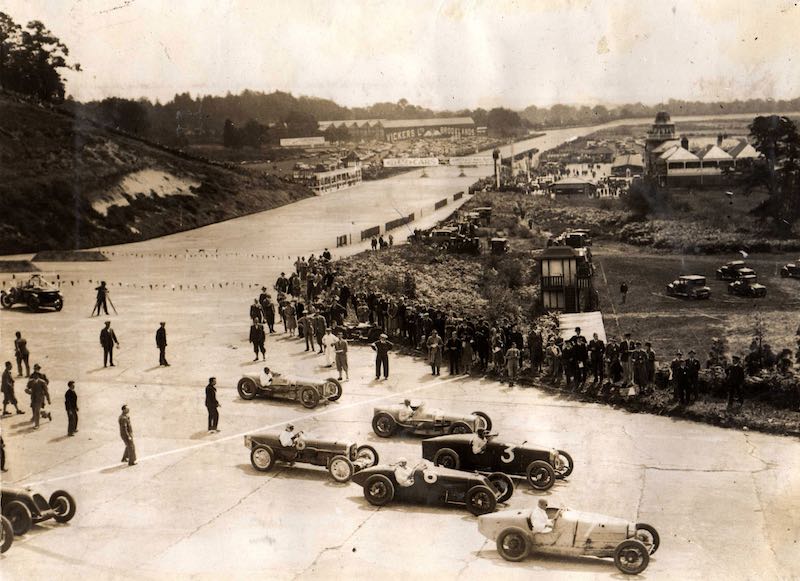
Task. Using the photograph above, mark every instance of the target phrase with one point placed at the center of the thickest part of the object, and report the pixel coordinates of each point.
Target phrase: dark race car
(791, 270)
(541, 466)
(342, 459)
(36, 293)
(429, 485)
(308, 391)
(747, 287)
(730, 271)
(24, 508)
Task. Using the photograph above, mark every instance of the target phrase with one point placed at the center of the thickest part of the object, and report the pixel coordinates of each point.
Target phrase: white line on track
(300, 418)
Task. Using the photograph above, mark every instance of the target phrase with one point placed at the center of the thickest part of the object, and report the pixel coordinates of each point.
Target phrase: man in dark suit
(161, 343)
(320, 325)
(212, 404)
(257, 338)
(382, 348)
(126, 433)
(269, 313)
(108, 339)
(102, 294)
(37, 387)
(71, 405)
(8, 391)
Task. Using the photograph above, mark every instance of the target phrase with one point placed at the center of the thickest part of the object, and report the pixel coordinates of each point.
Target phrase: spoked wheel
(564, 464)
(19, 515)
(503, 484)
(6, 534)
(369, 454)
(58, 304)
(481, 500)
(447, 458)
(332, 389)
(378, 490)
(513, 544)
(384, 425)
(631, 557)
(460, 428)
(63, 505)
(541, 475)
(648, 535)
(6, 301)
(262, 458)
(247, 388)
(309, 397)
(341, 469)
(486, 420)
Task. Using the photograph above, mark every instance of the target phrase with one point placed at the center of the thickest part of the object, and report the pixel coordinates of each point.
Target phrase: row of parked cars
(743, 281)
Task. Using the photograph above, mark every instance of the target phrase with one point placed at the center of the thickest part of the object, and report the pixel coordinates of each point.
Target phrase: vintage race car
(791, 270)
(573, 534)
(24, 508)
(541, 466)
(360, 332)
(342, 459)
(731, 270)
(6, 534)
(747, 287)
(430, 485)
(429, 422)
(36, 293)
(308, 391)
(690, 286)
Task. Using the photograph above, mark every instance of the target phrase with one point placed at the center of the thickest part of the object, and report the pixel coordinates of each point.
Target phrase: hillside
(67, 184)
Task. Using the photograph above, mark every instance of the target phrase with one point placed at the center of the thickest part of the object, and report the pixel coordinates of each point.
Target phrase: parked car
(429, 485)
(573, 534)
(541, 466)
(498, 245)
(6, 534)
(747, 287)
(730, 271)
(342, 459)
(485, 213)
(791, 270)
(24, 508)
(421, 420)
(36, 293)
(690, 286)
(308, 391)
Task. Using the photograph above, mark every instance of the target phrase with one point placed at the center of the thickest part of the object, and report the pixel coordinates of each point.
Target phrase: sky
(442, 54)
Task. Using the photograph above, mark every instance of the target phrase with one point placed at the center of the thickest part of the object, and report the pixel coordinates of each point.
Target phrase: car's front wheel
(631, 557)
(384, 425)
(513, 544)
(309, 397)
(19, 515)
(6, 301)
(447, 458)
(332, 389)
(63, 505)
(58, 304)
(369, 454)
(648, 535)
(541, 475)
(460, 428)
(378, 490)
(262, 458)
(247, 388)
(481, 500)
(341, 469)
(503, 484)
(6, 534)
(564, 464)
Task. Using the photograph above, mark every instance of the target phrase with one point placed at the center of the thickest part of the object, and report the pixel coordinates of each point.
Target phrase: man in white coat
(328, 342)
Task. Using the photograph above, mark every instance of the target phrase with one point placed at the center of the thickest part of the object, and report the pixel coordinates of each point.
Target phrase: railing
(552, 282)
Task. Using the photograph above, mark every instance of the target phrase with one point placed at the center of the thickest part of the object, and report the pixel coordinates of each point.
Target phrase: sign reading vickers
(410, 161)
(302, 141)
(472, 160)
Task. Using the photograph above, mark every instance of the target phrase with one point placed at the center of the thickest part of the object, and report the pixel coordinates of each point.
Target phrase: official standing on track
(212, 404)
(126, 433)
(382, 348)
(108, 339)
(8, 391)
(161, 343)
(22, 354)
(71, 405)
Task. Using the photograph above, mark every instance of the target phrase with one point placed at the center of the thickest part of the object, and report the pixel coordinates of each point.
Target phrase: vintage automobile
(359, 332)
(498, 245)
(36, 293)
(386, 421)
(6, 534)
(574, 534)
(429, 485)
(342, 459)
(24, 508)
(541, 466)
(730, 271)
(464, 245)
(690, 286)
(791, 270)
(747, 287)
(485, 213)
(308, 391)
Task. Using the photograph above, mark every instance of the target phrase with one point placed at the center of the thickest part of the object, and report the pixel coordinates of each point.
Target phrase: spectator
(434, 344)
(382, 348)
(512, 363)
(735, 381)
(8, 390)
(108, 339)
(212, 405)
(623, 291)
(126, 433)
(161, 343)
(22, 354)
(341, 357)
(71, 405)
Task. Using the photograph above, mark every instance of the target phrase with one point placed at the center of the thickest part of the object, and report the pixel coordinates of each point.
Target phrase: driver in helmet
(289, 437)
(478, 441)
(403, 473)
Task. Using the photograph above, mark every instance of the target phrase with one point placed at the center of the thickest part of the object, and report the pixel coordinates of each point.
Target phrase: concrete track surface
(726, 503)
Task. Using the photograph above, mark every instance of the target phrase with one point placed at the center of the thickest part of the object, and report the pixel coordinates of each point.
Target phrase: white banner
(302, 141)
(472, 160)
(410, 161)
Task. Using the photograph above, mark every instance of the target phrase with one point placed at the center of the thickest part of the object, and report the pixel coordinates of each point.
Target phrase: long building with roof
(400, 129)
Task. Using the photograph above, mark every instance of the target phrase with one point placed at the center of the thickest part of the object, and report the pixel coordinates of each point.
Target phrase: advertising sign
(302, 141)
(410, 161)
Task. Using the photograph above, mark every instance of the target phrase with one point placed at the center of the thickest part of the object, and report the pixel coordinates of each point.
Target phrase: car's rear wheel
(6, 301)
(58, 304)
(378, 490)
(262, 458)
(19, 515)
(341, 469)
(503, 484)
(6, 534)
(247, 388)
(384, 425)
(481, 500)
(33, 303)
(332, 389)
(486, 419)
(368, 453)
(648, 535)
(631, 557)
(309, 397)
(513, 544)
(565, 464)
(541, 475)
(447, 458)
(460, 428)
(63, 505)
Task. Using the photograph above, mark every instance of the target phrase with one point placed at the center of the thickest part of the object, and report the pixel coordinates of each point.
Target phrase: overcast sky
(442, 54)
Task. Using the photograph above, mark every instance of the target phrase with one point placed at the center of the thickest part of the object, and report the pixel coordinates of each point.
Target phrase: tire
(6, 301)
(6, 534)
(337, 388)
(341, 469)
(58, 304)
(631, 557)
(384, 425)
(20, 517)
(460, 428)
(309, 397)
(378, 490)
(784, 274)
(262, 458)
(368, 451)
(247, 388)
(648, 535)
(503, 484)
(541, 475)
(486, 419)
(63, 505)
(447, 458)
(33, 303)
(569, 466)
(481, 500)
(513, 544)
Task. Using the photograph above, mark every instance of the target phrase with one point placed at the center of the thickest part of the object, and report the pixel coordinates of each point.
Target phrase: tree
(504, 122)
(10, 40)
